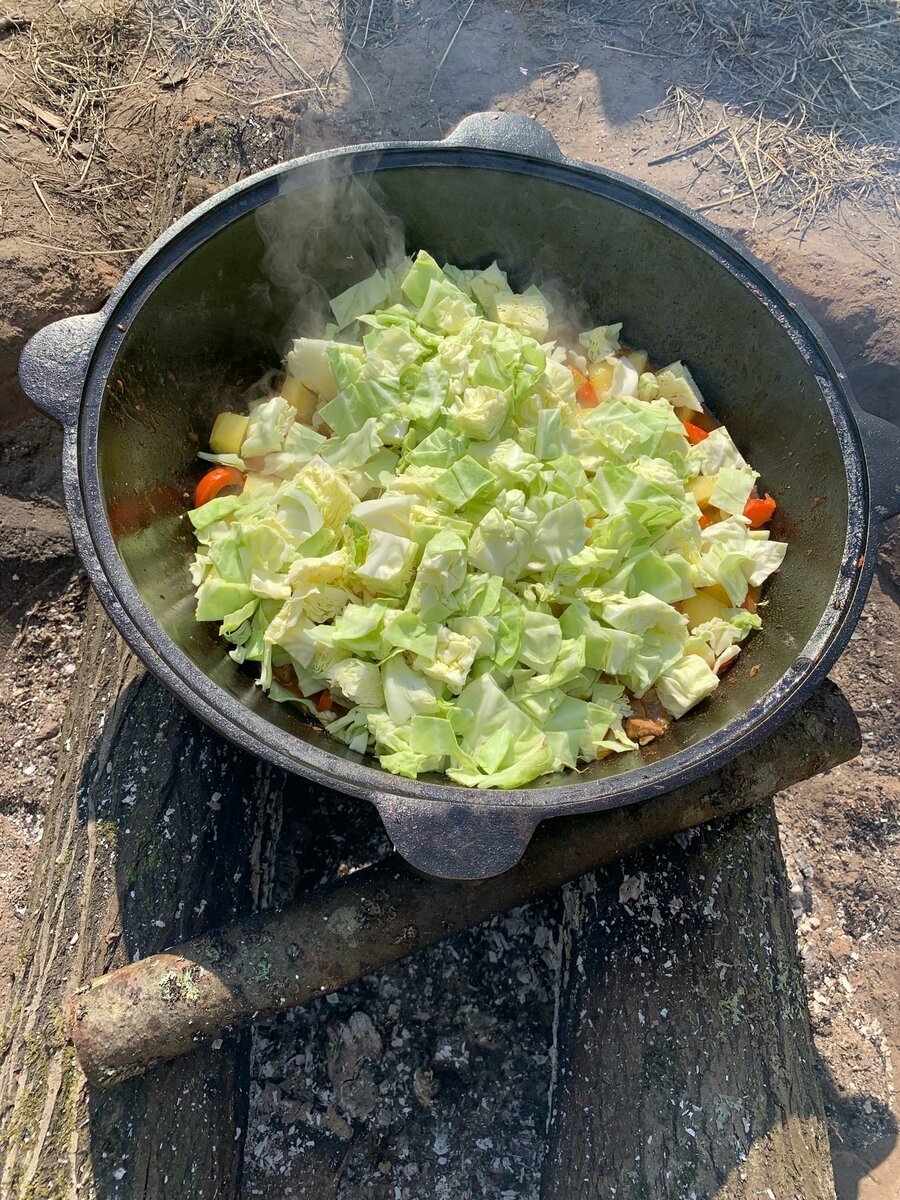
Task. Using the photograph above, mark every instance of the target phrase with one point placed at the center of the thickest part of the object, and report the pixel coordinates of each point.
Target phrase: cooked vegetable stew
(468, 540)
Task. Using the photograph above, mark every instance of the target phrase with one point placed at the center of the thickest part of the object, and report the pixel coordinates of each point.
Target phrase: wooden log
(684, 1058)
(158, 1008)
(155, 827)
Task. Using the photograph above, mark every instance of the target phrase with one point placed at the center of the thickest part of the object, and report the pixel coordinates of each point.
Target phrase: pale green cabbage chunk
(480, 571)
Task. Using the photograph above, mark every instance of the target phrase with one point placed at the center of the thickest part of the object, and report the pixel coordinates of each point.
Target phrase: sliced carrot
(694, 433)
(704, 520)
(323, 701)
(214, 482)
(759, 511)
(584, 392)
(586, 396)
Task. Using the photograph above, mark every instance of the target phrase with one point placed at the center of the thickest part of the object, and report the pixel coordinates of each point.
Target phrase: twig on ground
(743, 161)
(638, 53)
(331, 70)
(278, 96)
(146, 50)
(729, 199)
(354, 67)
(43, 199)
(446, 53)
(683, 150)
(101, 252)
(368, 23)
(44, 116)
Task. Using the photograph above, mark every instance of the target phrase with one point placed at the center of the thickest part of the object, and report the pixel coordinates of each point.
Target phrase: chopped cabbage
(480, 412)
(599, 343)
(267, 427)
(676, 384)
(479, 569)
(359, 299)
(308, 363)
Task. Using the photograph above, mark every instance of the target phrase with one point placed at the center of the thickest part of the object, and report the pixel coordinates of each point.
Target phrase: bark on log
(158, 1008)
(155, 828)
(685, 1064)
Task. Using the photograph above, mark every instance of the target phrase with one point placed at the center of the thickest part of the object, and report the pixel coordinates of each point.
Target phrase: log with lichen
(166, 1005)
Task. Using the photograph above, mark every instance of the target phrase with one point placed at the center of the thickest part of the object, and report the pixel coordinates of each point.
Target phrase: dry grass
(811, 95)
(206, 34)
(77, 60)
(798, 102)
(786, 162)
(835, 62)
(372, 24)
(72, 66)
(91, 81)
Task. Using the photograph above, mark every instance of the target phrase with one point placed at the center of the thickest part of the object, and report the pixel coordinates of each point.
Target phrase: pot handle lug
(505, 131)
(456, 841)
(54, 364)
(881, 440)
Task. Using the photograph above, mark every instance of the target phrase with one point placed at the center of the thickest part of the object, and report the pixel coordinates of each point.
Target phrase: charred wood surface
(157, 1008)
(156, 830)
(684, 1057)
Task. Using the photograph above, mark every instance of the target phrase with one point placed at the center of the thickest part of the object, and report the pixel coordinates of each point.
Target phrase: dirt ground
(184, 104)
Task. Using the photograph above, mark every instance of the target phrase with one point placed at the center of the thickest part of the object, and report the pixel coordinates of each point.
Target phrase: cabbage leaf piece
(438, 530)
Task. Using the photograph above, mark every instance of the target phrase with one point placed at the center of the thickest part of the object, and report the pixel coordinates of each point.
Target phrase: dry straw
(811, 95)
(70, 67)
(77, 60)
(373, 24)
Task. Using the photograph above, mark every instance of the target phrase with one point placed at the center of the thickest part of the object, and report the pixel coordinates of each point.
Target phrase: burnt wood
(158, 1008)
(156, 828)
(685, 1064)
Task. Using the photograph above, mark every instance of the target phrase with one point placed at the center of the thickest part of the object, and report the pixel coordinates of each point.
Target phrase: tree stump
(157, 829)
(684, 1058)
(141, 1014)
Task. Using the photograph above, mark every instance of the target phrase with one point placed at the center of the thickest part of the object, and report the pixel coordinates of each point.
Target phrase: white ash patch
(427, 1079)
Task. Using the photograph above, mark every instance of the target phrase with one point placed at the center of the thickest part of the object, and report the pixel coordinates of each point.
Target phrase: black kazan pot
(201, 315)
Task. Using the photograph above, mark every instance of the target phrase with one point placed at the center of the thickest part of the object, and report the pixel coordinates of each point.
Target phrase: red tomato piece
(586, 396)
(584, 392)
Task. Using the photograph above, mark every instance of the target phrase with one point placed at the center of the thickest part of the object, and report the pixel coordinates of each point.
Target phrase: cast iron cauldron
(136, 387)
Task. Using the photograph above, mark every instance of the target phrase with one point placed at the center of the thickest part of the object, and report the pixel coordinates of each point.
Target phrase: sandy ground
(332, 1078)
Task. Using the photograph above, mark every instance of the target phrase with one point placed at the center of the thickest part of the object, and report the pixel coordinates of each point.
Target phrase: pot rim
(253, 731)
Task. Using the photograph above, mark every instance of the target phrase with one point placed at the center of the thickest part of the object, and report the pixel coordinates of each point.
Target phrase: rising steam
(318, 241)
